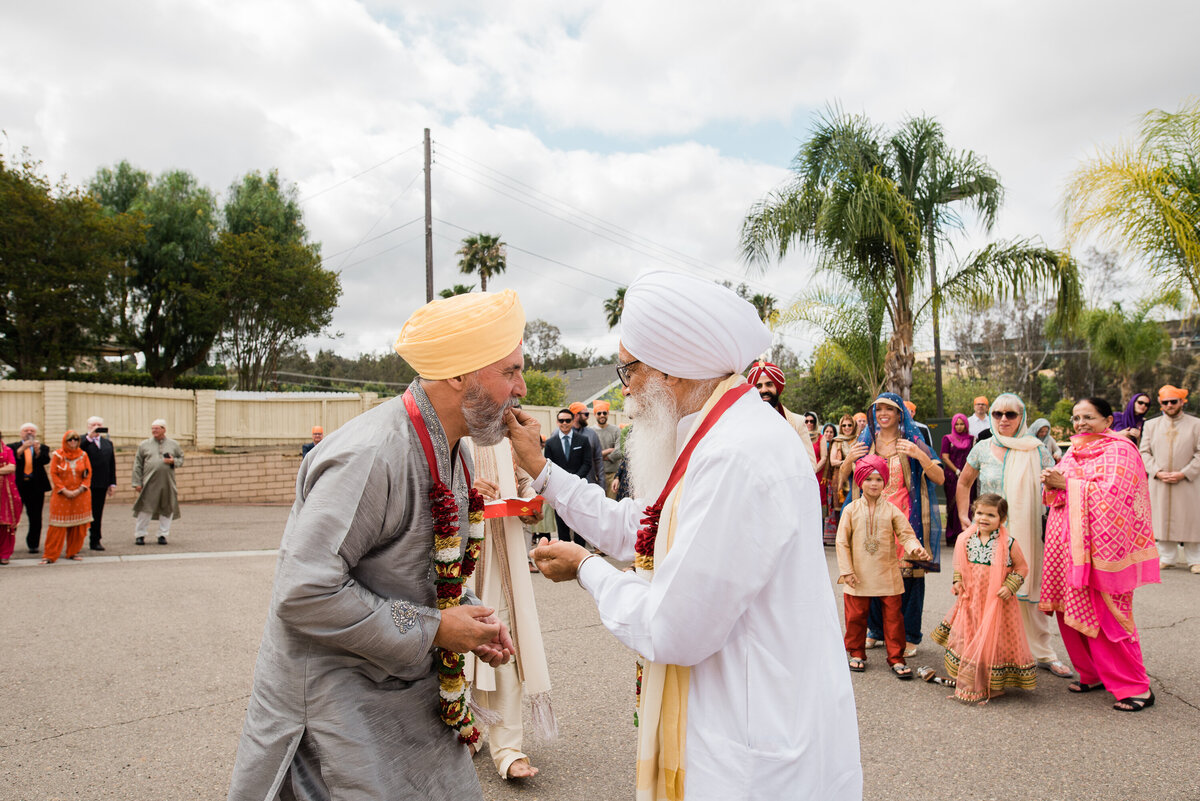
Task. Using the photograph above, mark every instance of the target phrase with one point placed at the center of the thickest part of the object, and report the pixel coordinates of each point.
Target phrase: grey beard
(484, 417)
(650, 450)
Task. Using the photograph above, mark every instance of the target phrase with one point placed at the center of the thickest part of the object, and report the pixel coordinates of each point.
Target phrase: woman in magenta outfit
(955, 447)
(10, 503)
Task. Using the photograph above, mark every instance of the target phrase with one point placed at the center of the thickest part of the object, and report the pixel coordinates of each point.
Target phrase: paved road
(126, 677)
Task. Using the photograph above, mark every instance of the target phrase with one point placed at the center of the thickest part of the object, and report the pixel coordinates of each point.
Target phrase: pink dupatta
(1111, 543)
(978, 649)
(10, 501)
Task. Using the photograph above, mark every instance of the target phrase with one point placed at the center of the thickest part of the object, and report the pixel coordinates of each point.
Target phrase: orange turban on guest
(600, 406)
(1169, 392)
(459, 335)
(981, 399)
(860, 416)
(912, 407)
(577, 407)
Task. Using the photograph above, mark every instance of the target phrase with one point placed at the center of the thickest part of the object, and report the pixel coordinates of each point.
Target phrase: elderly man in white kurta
(745, 693)
(1171, 451)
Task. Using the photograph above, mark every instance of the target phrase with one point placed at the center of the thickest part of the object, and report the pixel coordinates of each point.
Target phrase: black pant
(98, 498)
(564, 531)
(33, 500)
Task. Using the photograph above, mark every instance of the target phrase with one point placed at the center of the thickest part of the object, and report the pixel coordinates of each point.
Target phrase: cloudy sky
(599, 139)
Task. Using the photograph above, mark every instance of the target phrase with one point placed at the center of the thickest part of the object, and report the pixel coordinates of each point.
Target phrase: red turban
(871, 463)
(772, 372)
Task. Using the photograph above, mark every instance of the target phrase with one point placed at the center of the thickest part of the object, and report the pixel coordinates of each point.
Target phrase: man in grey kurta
(345, 698)
(1171, 452)
(154, 467)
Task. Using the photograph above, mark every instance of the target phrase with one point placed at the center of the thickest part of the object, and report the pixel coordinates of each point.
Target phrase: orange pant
(55, 535)
(856, 626)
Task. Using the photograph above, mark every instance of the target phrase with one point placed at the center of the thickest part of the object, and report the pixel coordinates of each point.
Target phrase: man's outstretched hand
(525, 434)
(558, 561)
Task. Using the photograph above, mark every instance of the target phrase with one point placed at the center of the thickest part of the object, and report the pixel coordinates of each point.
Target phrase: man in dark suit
(572, 451)
(104, 473)
(32, 484)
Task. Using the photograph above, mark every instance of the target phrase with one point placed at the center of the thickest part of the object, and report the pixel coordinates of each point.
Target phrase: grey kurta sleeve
(350, 508)
(177, 454)
(139, 466)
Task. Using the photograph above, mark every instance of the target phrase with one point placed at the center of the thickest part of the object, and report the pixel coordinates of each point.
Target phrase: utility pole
(428, 222)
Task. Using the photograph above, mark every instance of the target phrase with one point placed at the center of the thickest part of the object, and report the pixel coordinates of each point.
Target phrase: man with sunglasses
(580, 410)
(573, 453)
(1171, 452)
(610, 444)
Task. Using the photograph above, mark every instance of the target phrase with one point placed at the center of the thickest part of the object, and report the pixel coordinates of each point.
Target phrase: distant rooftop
(586, 384)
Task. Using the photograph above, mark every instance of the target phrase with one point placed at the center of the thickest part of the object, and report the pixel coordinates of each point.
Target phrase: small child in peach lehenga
(986, 650)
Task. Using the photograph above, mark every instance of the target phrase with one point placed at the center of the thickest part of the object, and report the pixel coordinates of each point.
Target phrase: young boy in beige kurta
(869, 567)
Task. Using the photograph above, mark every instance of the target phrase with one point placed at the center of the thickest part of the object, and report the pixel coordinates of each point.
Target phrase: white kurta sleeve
(729, 534)
(609, 525)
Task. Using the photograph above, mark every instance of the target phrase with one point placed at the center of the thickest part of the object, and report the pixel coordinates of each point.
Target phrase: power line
(358, 175)
(667, 254)
(372, 239)
(379, 219)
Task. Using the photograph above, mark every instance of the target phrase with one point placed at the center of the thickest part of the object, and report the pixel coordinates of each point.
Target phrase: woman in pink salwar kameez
(1099, 548)
(10, 503)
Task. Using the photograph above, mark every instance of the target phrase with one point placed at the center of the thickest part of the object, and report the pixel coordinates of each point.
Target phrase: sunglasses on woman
(1005, 415)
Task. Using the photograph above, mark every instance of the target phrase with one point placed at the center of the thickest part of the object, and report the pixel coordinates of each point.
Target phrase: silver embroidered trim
(404, 615)
(441, 449)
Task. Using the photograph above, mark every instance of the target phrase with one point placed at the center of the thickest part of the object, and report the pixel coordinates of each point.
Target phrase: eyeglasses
(72, 439)
(623, 371)
(566, 419)
(602, 414)
(1005, 415)
(1142, 403)
(1171, 402)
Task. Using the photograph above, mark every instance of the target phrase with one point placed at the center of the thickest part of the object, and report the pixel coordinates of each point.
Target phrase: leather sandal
(858, 665)
(903, 672)
(1134, 704)
(1080, 687)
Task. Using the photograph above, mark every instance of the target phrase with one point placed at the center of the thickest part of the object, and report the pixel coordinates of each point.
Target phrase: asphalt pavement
(126, 676)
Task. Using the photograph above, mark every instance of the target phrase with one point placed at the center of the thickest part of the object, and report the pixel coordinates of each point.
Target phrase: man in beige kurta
(1171, 452)
(154, 467)
(502, 581)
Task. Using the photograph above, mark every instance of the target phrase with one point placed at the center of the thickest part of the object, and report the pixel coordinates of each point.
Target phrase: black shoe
(98, 547)
(162, 540)
(140, 541)
(33, 550)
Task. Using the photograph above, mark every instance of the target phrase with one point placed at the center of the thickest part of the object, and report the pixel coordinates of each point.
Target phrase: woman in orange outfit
(70, 500)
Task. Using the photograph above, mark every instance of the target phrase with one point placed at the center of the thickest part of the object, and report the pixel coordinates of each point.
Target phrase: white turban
(690, 327)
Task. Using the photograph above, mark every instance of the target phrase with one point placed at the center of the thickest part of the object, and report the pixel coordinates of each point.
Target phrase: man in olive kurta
(154, 467)
(1171, 452)
(345, 703)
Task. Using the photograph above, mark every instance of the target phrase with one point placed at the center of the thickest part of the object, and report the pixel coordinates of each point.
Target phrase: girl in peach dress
(986, 650)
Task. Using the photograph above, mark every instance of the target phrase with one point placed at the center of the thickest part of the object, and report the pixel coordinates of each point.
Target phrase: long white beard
(650, 449)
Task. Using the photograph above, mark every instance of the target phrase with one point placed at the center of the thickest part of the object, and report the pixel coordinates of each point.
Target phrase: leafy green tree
(277, 291)
(457, 289)
(174, 306)
(848, 203)
(853, 329)
(614, 307)
(1144, 197)
(828, 386)
(59, 254)
(543, 341)
(544, 390)
(483, 255)
(766, 306)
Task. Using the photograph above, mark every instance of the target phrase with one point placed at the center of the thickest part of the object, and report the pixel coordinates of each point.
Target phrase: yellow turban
(459, 335)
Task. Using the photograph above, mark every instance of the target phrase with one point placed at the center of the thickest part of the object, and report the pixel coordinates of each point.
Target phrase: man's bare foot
(521, 769)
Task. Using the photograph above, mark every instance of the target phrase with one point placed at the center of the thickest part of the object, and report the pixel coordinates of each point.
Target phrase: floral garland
(453, 567)
(643, 561)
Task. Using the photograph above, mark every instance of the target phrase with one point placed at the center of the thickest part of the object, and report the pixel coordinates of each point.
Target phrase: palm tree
(457, 289)
(1127, 342)
(482, 254)
(1144, 197)
(765, 305)
(614, 307)
(848, 203)
(853, 329)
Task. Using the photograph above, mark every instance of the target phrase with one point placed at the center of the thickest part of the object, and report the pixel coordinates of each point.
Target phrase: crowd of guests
(79, 477)
(1039, 535)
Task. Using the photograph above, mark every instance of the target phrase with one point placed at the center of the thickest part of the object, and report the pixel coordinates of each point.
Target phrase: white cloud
(324, 89)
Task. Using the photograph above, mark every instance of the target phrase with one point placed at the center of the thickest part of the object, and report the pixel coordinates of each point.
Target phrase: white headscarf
(690, 327)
